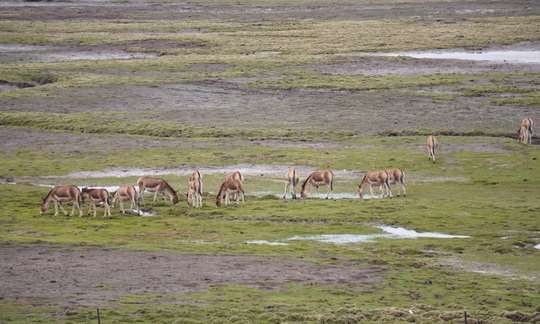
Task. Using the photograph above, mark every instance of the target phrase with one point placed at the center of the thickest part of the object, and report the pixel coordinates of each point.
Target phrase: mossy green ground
(490, 197)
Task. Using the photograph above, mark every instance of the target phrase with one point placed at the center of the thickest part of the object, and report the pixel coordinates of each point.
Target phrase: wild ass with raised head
(127, 192)
(291, 181)
(97, 195)
(432, 145)
(317, 179)
(375, 178)
(156, 185)
(60, 194)
(397, 177)
(196, 175)
(195, 193)
(524, 133)
(227, 188)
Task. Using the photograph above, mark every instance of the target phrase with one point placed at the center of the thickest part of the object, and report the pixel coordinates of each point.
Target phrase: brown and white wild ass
(397, 177)
(195, 193)
(432, 145)
(127, 192)
(156, 185)
(196, 175)
(97, 195)
(291, 181)
(236, 175)
(524, 133)
(227, 188)
(317, 179)
(61, 194)
(375, 178)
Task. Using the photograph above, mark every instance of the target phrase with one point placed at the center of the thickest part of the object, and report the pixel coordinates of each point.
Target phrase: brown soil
(44, 270)
(96, 276)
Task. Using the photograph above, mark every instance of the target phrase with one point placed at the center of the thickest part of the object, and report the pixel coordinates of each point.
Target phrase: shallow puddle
(495, 56)
(390, 233)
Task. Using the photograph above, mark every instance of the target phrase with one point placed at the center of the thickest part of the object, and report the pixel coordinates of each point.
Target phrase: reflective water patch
(390, 233)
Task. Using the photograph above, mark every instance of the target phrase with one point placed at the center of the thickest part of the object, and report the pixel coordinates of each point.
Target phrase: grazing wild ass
(317, 179)
(96, 195)
(227, 188)
(524, 133)
(432, 145)
(127, 192)
(156, 185)
(60, 194)
(374, 178)
(195, 193)
(236, 175)
(291, 181)
(397, 177)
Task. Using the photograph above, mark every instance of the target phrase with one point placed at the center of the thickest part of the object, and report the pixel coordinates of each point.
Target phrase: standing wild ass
(432, 145)
(291, 181)
(397, 177)
(195, 193)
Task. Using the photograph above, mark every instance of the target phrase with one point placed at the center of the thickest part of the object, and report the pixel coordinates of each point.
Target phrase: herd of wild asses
(233, 186)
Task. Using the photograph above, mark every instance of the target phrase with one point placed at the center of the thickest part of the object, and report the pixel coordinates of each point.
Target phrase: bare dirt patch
(95, 276)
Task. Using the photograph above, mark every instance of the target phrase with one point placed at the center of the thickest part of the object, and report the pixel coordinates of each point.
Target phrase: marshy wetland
(98, 93)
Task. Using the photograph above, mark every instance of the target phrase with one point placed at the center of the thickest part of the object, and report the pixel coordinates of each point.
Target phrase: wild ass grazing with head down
(291, 181)
(397, 177)
(156, 185)
(524, 133)
(196, 175)
(60, 194)
(374, 178)
(317, 179)
(127, 192)
(195, 193)
(432, 145)
(236, 175)
(227, 188)
(96, 195)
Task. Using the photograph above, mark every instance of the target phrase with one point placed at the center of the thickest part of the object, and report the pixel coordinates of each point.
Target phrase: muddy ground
(45, 270)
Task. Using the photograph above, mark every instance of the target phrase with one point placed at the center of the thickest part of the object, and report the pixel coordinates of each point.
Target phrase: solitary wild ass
(524, 134)
(195, 193)
(291, 181)
(60, 194)
(315, 180)
(196, 175)
(432, 144)
(127, 192)
(156, 185)
(374, 178)
(230, 187)
(96, 195)
(397, 177)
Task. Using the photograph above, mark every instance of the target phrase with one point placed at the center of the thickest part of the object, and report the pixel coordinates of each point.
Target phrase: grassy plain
(482, 186)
